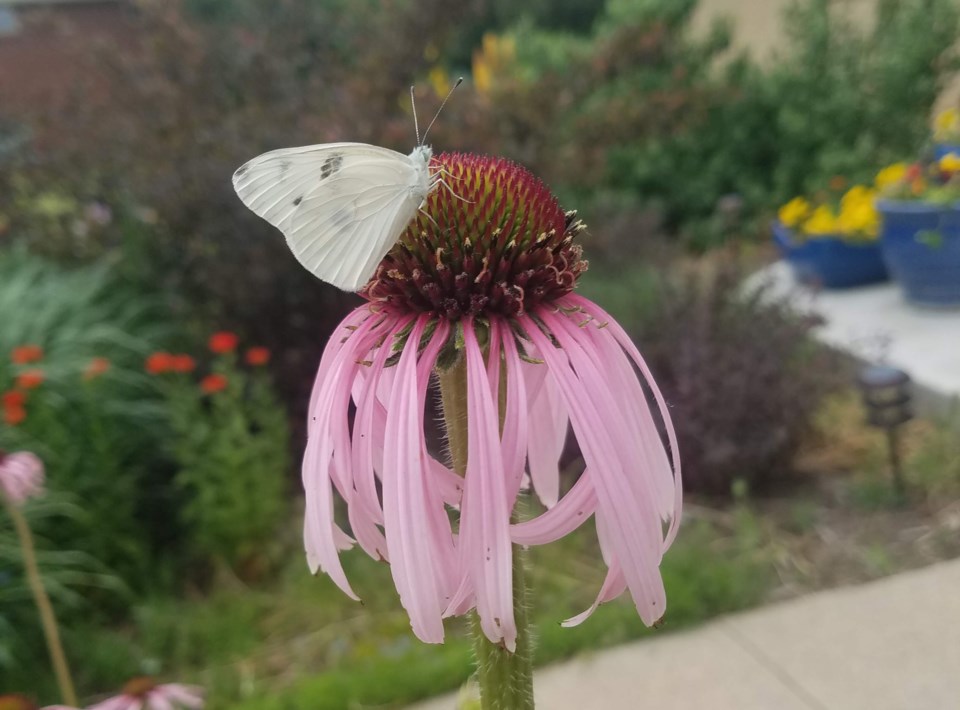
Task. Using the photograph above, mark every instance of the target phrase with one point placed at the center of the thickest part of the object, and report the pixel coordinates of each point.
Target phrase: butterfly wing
(341, 206)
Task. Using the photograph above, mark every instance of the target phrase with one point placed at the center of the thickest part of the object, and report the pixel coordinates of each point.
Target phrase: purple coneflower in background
(146, 694)
(478, 296)
(21, 476)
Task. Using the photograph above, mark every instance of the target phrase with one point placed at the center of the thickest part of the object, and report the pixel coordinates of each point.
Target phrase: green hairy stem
(505, 679)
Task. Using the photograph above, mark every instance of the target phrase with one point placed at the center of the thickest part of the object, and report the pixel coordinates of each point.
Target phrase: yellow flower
(482, 76)
(492, 60)
(439, 80)
(822, 221)
(950, 163)
(947, 124)
(859, 219)
(794, 212)
(857, 195)
(890, 175)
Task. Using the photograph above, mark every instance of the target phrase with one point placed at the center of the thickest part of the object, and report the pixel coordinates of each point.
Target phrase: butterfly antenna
(459, 81)
(416, 126)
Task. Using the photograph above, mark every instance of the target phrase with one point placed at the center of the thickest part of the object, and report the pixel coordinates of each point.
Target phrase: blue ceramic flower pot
(942, 149)
(921, 245)
(831, 262)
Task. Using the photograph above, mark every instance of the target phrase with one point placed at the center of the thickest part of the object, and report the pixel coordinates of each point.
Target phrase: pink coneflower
(478, 294)
(147, 694)
(21, 476)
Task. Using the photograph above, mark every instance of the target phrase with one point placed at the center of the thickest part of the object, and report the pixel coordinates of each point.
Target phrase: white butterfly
(341, 206)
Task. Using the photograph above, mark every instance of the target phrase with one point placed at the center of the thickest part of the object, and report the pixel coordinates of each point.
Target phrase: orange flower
(182, 363)
(14, 415)
(258, 356)
(96, 367)
(30, 379)
(223, 342)
(213, 383)
(25, 354)
(158, 363)
(13, 398)
(838, 183)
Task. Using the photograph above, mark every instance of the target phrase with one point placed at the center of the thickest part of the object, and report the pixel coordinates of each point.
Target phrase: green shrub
(230, 442)
(91, 429)
(837, 100)
(643, 106)
(69, 576)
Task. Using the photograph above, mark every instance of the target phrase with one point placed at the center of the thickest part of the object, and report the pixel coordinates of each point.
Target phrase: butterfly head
(422, 154)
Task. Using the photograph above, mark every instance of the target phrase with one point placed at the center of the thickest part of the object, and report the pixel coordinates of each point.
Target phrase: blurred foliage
(232, 452)
(69, 575)
(298, 642)
(618, 100)
(743, 376)
(647, 108)
(90, 430)
(191, 103)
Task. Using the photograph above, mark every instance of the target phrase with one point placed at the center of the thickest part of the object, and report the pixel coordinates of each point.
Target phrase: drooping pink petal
(119, 702)
(650, 447)
(614, 584)
(449, 484)
(186, 695)
(485, 515)
(410, 503)
(547, 435)
(365, 511)
(642, 448)
(329, 403)
(602, 437)
(340, 336)
(572, 511)
(515, 422)
(440, 480)
(627, 344)
(156, 700)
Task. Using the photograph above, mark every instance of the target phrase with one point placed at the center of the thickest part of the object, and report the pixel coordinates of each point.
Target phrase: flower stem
(505, 679)
(47, 618)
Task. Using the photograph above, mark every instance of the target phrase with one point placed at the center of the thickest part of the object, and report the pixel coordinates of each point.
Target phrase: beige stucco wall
(758, 27)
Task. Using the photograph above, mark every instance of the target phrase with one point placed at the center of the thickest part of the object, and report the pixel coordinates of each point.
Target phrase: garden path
(875, 324)
(892, 644)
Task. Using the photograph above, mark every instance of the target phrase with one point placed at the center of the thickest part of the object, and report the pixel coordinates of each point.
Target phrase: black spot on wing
(242, 170)
(331, 165)
(297, 201)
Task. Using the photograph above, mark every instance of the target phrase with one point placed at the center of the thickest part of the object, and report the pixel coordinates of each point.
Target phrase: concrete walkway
(875, 324)
(893, 644)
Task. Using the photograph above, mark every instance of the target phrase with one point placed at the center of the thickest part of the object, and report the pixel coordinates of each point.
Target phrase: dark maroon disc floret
(490, 239)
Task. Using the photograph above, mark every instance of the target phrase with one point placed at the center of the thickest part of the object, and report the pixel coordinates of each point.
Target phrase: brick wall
(45, 57)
